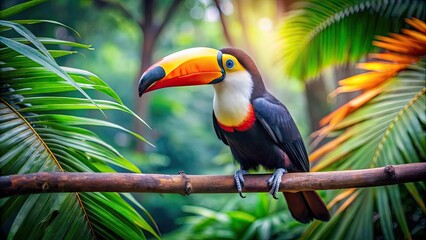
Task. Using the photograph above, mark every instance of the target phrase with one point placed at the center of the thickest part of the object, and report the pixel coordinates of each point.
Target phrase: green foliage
(13, 10)
(257, 217)
(319, 34)
(40, 131)
(388, 130)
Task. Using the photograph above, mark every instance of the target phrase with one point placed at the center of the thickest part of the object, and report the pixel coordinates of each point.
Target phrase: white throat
(232, 98)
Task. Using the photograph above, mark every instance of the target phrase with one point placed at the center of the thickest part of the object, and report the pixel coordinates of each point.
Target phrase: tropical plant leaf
(39, 133)
(19, 8)
(36, 21)
(44, 58)
(263, 218)
(343, 224)
(53, 41)
(385, 128)
(35, 80)
(323, 33)
(373, 124)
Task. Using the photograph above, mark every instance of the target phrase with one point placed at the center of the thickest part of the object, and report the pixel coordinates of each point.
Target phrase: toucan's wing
(218, 130)
(277, 121)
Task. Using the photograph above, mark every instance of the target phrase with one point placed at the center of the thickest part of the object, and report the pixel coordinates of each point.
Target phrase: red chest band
(244, 126)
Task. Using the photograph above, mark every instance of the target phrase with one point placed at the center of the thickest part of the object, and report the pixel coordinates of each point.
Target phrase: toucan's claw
(275, 180)
(239, 181)
(241, 195)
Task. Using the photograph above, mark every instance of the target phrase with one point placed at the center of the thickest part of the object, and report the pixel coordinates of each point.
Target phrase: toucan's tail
(305, 206)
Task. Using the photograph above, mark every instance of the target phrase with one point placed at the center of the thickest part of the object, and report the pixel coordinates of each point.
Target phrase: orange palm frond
(395, 48)
(409, 40)
(380, 72)
(417, 35)
(328, 147)
(400, 40)
(364, 81)
(416, 23)
(381, 66)
(394, 57)
(347, 203)
(335, 117)
(401, 50)
(340, 197)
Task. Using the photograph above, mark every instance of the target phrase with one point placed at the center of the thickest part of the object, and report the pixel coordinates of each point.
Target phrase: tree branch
(240, 14)
(170, 11)
(226, 33)
(120, 7)
(148, 15)
(187, 184)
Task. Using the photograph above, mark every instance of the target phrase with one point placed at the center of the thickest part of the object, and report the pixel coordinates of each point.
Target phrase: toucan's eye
(230, 64)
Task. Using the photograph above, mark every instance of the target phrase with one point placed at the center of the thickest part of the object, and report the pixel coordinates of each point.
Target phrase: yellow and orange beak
(194, 66)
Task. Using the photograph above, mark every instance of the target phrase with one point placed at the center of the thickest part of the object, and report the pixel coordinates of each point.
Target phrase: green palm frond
(262, 218)
(319, 34)
(384, 125)
(395, 114)
(387, 130)
(13, 10)
(39, 133)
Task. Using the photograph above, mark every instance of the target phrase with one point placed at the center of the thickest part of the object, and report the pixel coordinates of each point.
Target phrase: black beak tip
(150, 77)
(140, 92)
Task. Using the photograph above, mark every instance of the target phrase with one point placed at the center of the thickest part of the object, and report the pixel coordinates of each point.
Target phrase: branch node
(188, 186)
(390, 171)
(45, 186)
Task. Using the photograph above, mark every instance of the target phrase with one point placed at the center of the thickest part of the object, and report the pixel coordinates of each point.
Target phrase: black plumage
(273, 142)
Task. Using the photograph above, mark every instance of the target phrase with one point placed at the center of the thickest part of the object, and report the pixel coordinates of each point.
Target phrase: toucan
(256, 126)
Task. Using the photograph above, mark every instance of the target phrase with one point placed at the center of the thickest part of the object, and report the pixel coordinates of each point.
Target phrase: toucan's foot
(239, 181)
(275, 180)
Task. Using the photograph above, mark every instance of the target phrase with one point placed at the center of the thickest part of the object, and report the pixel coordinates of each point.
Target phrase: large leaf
(371, 129)
(389, 130)
(43, 57)
(260, 218)
(38, 133)
(383, 128)
(318, 34)
(19, 8)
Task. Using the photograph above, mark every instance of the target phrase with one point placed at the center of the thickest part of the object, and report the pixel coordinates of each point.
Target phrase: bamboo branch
(186, 184)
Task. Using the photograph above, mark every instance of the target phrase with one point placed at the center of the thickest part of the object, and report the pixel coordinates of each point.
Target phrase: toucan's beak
(194, 66)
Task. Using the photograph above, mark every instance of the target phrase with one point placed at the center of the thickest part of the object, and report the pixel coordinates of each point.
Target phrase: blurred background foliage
(327, 38)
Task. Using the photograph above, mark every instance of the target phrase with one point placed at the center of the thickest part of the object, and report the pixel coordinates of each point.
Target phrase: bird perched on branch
(255, 125)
